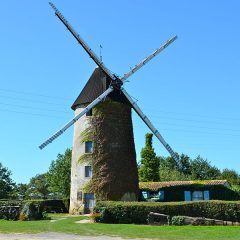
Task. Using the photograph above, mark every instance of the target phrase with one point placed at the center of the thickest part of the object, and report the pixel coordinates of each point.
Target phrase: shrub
(55, 206)
(137, 212)
(95, 217)
(177, 220)
(9, 210)
(31, 210)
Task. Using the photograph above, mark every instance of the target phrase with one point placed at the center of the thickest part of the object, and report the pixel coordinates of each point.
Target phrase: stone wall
(78, 181)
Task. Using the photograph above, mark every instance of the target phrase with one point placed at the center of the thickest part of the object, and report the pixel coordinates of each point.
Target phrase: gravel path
(52, 236)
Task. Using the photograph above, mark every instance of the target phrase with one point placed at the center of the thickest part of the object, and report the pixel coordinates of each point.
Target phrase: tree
(38, 187)
(149, 168)
(20, 191)
(6, 183)
(185, 164)
(169, 162)
(59, 174)
(170, 170)
(231, 176)
(202, 170)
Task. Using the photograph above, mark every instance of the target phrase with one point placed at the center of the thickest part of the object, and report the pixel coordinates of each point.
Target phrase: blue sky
(190, 91)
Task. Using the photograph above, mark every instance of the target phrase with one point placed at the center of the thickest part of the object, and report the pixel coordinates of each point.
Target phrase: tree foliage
(171, 170)
(184, 168)
(148, 170)
(231, 176)
(6, 183)
(59, 174)
(20, 191)
(38, 187)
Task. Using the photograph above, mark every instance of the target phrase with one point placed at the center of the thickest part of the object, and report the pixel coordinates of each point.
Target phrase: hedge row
(31, 209)
(55, 206)
(10, 210)
(137, 212)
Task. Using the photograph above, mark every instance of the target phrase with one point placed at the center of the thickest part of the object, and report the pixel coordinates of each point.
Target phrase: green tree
(38, 187)
(20, 191)
(149, 167)
(185, 164)
(231, 176)
(202, 170)
(169, 162)
(167, 174)
(59, 174)
(6, 183)
(170, 170)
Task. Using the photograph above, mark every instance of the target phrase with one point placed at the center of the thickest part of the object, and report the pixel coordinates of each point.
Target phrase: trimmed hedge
(56, 206)
(31, 209)
(137, 212)
(10, 210)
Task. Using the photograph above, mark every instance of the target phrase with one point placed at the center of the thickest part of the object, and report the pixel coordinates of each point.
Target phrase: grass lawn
(68, 225)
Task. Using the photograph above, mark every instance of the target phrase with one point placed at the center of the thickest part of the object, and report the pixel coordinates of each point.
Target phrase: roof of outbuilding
(157, 185)
(95, 86)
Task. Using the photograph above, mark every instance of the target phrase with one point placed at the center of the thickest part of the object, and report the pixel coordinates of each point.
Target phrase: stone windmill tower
(103, 158)
(102, 137)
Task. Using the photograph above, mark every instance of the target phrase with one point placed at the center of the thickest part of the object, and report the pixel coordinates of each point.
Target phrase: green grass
(68, 225)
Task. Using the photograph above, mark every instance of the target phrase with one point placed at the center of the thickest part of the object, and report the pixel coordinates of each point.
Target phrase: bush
(95, 217)
(31, 210)
(177, 220)
(137, 212)
(10, 210)
(55, 206)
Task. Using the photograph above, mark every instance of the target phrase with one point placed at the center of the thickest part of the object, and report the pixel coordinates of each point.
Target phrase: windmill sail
(149, 124)
(115, 85)
(82, 42)
(147, 59)
(70, 123)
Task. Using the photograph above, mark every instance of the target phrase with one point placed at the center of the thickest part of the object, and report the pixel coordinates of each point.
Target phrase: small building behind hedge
(174, 191)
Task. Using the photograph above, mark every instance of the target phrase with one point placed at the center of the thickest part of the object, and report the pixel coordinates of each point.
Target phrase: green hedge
(137, 212)
(56, 206)
(31, 209)
(10, 210)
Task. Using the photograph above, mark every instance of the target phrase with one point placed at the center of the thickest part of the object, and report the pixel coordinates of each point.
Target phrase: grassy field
(68, 225)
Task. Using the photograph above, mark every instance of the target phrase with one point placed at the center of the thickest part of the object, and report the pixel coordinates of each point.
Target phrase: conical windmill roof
(95, 86)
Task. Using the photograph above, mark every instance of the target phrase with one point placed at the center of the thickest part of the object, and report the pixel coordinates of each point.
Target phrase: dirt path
(52, 236)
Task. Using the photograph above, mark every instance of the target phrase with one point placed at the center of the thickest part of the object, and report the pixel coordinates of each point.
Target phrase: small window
(79, 196)
(197, 195)
(161, 195)
(88, 147)
(89, 113)
(206, 195)
(145, 195)
(154, 195)
(88, 171)
(187, 196)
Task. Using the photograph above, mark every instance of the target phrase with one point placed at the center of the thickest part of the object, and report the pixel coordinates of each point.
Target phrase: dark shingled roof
(95, 86)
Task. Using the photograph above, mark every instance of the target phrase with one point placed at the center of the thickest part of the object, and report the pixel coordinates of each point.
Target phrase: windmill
(113, 148)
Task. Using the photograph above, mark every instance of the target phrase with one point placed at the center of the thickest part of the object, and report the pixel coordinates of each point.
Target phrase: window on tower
(88, 171)
(88, 147)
